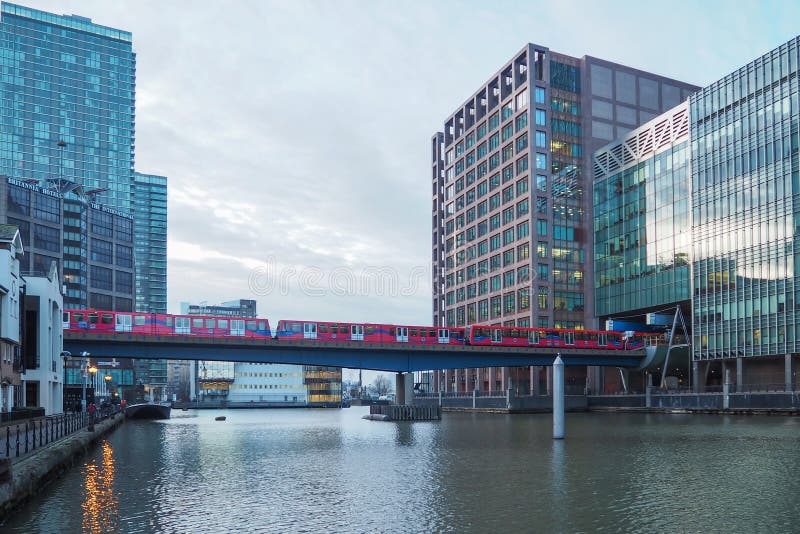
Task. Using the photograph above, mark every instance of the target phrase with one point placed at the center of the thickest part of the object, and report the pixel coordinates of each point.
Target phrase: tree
(382, 385)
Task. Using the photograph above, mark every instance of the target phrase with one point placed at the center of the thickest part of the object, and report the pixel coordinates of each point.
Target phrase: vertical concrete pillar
(400, 388)
(437, 381)
(447, 380)
(477, 376)
(787, 372)
(739, 374)
(535, 383)
(474, 397)
(549, 372)
(504, 378)
(457, 377)
(726, 390)
(648, 390)
(530, 379)
(696, 377)
(558, 398)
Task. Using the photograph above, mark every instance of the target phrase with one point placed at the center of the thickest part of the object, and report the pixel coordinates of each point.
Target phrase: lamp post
(84, 370)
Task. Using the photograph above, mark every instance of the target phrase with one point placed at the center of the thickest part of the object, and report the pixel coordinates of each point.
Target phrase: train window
(391, 331)
(169, 320)
(323, 329)
(250, 325)
(413, 332)
(344, 329)
(210, 323)
(295, 328)
(497, 335)
(77, 317)
(602, 339)
(65, 317)
(262, 325)
(432, 333)
(197, 323)
(369, 330)
(138, 320)
(222, 323)
(106, 318)
(92, 318)
(514, 333)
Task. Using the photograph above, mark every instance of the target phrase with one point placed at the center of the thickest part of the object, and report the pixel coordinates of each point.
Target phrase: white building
(10, 253)
(268, 382)
(43, 379)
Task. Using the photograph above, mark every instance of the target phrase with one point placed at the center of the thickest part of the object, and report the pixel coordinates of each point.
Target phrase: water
(331, 471)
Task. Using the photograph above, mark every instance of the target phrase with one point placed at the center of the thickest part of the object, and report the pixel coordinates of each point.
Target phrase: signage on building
(112, 211)
(33, 187)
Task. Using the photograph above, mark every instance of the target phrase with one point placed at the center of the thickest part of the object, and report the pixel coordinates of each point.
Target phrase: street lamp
(84, 368)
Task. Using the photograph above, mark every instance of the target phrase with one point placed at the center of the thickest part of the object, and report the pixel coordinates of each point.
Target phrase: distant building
(242, 382)
(150, 228)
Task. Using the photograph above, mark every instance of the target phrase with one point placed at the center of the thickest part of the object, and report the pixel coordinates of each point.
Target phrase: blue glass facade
(150, 216)
(642, 226)
(68, 102)
(745, 187)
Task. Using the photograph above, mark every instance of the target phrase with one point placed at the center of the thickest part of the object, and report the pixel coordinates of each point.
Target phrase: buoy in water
(220, 418)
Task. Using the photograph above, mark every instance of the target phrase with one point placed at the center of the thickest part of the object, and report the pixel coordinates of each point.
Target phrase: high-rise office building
(150, 227)
(68, 94)
(511, 236)
(68, 125)
(716, 190)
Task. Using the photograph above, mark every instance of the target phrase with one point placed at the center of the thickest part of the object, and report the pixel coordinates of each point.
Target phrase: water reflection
(100, 503)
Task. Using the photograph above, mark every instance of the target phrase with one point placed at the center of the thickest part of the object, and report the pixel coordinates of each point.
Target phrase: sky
(296, 134)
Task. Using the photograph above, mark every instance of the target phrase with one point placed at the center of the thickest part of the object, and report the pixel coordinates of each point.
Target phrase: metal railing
(25, 437)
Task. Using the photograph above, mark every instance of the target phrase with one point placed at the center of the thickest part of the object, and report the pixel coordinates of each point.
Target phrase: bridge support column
(558, 398)
(504, 378)
(739, 374)
(648, 390)
(787, 372)
(437, 381)
(404, 388)
(726, 390)
(549, 372)
(696, 377)
(532, 378)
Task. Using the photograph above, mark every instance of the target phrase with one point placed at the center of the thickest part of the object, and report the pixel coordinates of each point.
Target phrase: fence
(22, 438)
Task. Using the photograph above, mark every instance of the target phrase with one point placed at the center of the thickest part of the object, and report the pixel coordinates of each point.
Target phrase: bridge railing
(25, 437)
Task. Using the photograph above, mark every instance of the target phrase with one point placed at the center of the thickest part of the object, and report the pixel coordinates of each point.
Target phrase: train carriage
(165, 324)
(510, 336)
(328, 331)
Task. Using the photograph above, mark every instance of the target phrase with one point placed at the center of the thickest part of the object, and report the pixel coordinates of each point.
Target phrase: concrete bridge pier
(558, 398)
(404, 388)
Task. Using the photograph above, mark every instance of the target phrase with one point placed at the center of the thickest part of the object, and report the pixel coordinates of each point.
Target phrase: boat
(220, 418)
(148, 410)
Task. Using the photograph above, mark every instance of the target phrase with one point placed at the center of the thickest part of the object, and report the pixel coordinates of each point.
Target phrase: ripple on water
(327, 470)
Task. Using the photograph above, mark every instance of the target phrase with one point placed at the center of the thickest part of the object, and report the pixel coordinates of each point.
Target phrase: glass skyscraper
(67, 123)
(743, 212)
(745, 188)
(68, 91)
(150, 221)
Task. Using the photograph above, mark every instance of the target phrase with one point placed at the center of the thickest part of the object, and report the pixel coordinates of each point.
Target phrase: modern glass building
(736, 275)
(511, 222)
(91, 243)
(642, 219)
(746, 210)
(68, 91)
(150, 220)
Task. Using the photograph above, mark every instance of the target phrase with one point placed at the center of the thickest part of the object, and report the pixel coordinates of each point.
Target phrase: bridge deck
(352, 354)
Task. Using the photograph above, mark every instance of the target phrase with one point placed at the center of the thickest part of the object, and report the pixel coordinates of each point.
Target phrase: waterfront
(329, 470)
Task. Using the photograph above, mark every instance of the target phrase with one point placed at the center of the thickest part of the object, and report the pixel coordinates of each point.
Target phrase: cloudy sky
(296, 134)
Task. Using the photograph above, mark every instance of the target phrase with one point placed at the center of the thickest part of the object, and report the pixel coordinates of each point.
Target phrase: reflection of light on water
(100, 506)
